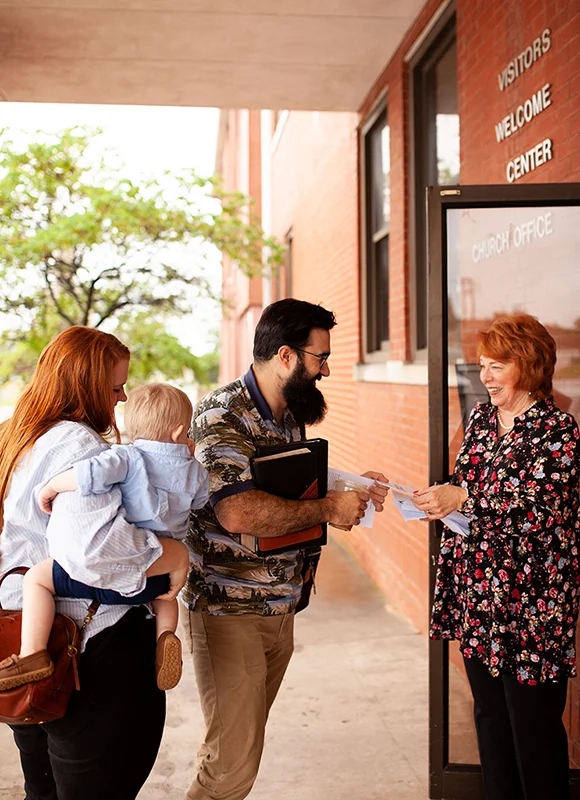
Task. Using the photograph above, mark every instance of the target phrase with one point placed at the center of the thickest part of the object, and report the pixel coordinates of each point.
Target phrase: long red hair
(72, 381)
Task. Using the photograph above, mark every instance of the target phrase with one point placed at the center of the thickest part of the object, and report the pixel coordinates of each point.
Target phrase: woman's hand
(377, 492)
(175, 561)
(438, 501)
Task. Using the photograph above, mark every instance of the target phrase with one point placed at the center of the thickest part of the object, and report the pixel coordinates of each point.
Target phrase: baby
(160, 481)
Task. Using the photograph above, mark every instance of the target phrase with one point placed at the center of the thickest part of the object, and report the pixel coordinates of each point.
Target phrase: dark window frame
(424, 162)
(375, 244)
(449, 779)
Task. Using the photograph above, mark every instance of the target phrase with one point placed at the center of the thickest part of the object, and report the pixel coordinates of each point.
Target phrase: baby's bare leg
(168, 653)
(166, 615)
(37, 608)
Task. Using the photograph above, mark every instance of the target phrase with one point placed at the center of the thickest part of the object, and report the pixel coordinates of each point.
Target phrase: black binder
(299, 472)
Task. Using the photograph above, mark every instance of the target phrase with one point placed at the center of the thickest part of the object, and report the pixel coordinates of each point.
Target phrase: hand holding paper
(402, 497)
(379, 489)
(440, 500)
(336, 482)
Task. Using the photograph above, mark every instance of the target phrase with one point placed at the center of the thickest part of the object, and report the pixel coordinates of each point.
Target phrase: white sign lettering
(517, 236)
(524, 113)
(494, 245)
(524, 61)
(533, 230)
(529, 161)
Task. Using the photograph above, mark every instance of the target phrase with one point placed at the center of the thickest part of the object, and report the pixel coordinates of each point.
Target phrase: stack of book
(295, 471)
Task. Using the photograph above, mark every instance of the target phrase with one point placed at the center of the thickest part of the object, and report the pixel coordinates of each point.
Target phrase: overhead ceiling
(298, 54)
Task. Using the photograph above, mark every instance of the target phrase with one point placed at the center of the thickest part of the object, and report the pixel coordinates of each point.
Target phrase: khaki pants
(239, 662)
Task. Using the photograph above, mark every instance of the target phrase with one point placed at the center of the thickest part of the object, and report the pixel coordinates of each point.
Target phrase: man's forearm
(262, 514)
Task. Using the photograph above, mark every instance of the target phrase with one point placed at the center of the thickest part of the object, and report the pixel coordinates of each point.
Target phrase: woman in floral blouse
(508, 592)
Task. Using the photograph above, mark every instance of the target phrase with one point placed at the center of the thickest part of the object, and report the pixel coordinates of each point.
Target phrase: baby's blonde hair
(154, 411)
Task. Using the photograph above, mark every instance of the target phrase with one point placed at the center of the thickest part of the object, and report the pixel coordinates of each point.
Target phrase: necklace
(501, 425)
(510, 427)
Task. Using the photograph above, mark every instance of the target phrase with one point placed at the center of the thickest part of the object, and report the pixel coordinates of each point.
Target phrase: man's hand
(45, 497)
(191, 445)
(346, 508)
(377, 492)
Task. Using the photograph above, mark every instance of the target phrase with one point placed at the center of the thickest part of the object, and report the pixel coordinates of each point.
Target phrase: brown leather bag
(47, 699)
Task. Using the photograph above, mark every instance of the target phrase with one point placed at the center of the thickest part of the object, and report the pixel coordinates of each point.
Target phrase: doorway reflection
(503, 261)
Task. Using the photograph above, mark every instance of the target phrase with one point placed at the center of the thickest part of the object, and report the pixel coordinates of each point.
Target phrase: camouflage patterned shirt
(226, 577)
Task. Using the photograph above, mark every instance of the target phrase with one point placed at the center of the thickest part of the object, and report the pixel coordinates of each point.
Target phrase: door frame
(447, 780)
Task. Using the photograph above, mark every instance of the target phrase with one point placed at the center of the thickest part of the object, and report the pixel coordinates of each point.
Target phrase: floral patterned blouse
(509, 591)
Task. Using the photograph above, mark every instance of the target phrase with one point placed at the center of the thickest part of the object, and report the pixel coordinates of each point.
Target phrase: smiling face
(501, 378)
(303, 398)
(319, 345)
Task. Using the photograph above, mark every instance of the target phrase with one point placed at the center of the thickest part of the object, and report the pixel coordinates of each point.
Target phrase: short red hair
(522, 339)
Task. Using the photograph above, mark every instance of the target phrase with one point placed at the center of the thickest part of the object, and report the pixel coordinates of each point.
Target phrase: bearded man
(239, 607)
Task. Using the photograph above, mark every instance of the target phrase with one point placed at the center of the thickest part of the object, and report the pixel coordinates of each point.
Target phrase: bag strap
(93, 608)
(13, 571)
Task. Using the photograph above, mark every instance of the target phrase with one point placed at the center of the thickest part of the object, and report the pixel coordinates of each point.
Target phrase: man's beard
(305, 401)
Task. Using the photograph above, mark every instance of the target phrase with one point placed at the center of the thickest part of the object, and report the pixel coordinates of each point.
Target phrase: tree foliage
(156, 353)
(83, 245)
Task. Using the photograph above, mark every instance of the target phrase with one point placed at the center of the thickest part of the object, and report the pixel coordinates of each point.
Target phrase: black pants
(522, 741)
(107, 742)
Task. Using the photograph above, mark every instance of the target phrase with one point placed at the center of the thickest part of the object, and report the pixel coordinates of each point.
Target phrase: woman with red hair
(508, 592)
(107, 742)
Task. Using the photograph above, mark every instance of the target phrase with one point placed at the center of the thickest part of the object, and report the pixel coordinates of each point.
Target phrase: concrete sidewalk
(350, 722)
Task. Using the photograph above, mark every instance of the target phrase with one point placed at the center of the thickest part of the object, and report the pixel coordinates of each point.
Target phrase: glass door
(492, 250)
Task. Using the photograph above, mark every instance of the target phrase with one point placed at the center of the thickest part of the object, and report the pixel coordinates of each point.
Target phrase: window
(436, 141)
(377, 220)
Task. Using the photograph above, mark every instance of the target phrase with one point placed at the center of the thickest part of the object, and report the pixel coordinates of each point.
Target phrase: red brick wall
(369, 425)
(314, 179)
(490, 33)
(241, 171)
(315, 191)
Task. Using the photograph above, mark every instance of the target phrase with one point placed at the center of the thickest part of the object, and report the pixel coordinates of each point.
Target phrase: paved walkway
(350, 722)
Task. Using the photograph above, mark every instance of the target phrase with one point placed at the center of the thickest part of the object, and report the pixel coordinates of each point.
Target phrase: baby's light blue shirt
(160, 482)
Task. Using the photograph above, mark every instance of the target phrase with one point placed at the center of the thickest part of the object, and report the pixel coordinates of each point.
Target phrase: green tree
(83, 245)
(156, 353)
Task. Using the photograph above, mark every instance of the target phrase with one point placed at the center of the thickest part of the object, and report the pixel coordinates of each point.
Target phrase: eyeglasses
(322, 357)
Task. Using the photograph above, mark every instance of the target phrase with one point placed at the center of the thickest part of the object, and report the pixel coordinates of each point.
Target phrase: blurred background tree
(82, 245)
